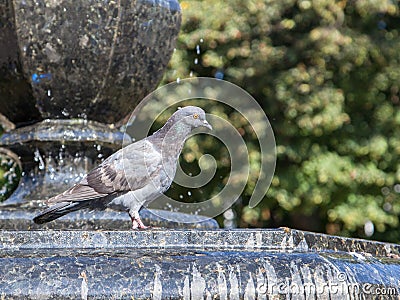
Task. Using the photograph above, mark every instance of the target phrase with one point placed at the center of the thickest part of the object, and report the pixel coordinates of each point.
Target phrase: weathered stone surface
(92, 59)
(195, 264)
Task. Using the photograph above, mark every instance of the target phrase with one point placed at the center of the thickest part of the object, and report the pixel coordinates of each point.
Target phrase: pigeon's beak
(206, 124)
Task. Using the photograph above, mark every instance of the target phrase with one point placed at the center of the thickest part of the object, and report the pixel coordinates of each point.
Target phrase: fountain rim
(71, 130)
(250, 240)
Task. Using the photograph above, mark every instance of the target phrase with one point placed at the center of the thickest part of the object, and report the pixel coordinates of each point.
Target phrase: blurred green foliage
(327, 74)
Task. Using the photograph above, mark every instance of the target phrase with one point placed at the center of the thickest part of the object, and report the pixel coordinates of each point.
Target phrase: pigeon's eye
(195, 116)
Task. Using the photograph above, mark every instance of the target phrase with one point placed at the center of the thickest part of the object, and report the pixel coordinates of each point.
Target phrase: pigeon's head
(192, 116)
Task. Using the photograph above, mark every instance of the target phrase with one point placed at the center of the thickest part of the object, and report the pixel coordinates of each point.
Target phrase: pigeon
(133, 176)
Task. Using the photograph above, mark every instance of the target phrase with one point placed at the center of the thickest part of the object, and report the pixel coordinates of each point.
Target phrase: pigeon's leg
(136, 221)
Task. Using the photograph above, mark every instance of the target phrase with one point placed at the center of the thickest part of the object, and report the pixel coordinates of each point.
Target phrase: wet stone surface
(194, 264)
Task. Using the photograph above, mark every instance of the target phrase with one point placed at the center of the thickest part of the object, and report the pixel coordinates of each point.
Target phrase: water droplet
(38, 158)
(385, 191)
(65, 112)
(198, 49)
(369, 228)
(189, 193)
(178, 80)
(387, 206)
(180, 196)
(49, 93)
(201, 40)
(229, 214)
(191, 74)
(196, 61)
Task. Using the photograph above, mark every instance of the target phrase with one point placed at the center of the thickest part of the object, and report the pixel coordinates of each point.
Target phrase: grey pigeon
(133, 176)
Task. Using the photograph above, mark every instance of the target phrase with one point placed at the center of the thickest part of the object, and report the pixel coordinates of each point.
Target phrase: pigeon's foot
(137, 222)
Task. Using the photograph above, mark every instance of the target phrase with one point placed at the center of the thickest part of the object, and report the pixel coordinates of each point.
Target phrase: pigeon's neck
(170, 138)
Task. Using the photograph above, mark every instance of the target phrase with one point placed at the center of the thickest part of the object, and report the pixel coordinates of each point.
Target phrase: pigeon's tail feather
(58, 210)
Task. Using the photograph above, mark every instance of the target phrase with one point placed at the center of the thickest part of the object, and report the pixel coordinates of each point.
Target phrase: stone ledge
(201, 239)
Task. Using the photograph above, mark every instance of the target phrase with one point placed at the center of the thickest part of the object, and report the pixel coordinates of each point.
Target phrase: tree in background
(327, 74)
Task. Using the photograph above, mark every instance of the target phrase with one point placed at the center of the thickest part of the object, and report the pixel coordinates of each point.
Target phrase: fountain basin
(94, 59)
(195, 264)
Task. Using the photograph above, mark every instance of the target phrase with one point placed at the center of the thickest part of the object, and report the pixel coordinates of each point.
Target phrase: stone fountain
(70, 73)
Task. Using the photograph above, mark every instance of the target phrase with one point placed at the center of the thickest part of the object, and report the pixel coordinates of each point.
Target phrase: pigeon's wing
(79, 192)
(128, 169)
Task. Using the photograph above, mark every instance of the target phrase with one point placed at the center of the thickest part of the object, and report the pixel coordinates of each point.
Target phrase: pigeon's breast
(165, 179)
